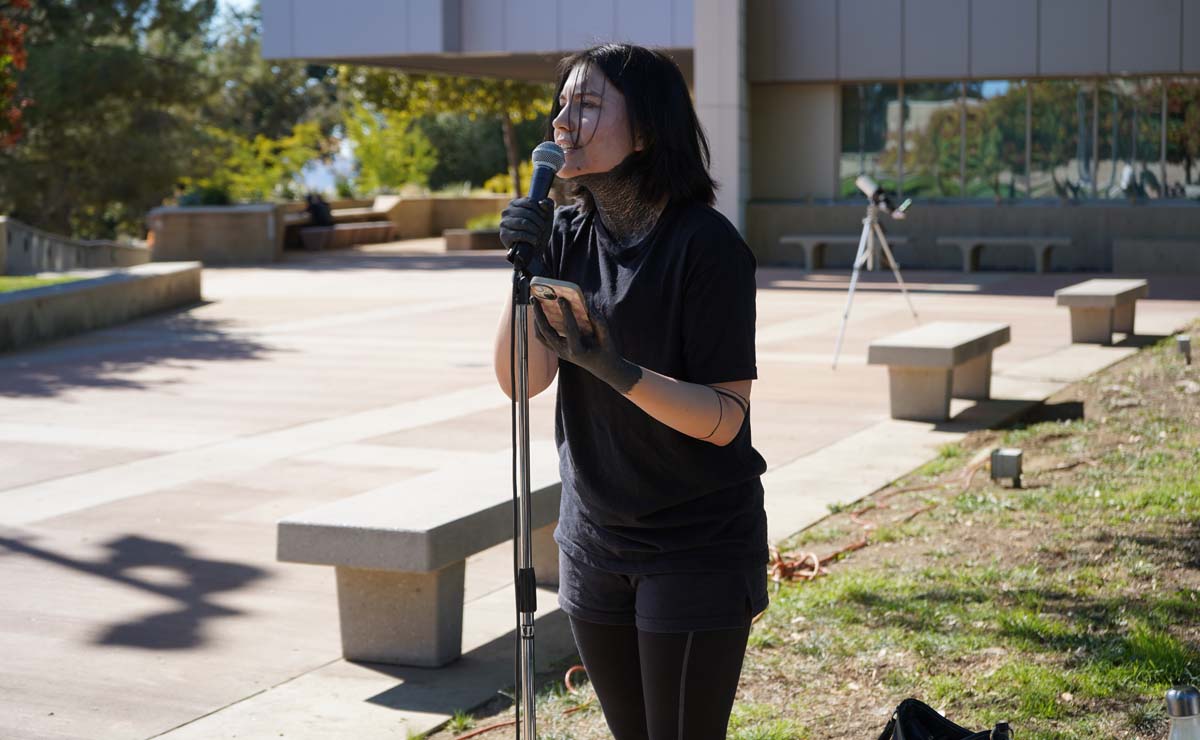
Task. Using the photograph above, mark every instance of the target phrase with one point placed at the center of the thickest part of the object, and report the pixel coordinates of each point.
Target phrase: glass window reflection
(870, 136)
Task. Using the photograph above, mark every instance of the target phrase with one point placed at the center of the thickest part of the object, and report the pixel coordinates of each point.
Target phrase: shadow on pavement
(475, 677)
(198, 579)
(106, 357)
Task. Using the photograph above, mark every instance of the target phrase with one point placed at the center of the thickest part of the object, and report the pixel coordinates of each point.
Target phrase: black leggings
(662, 685)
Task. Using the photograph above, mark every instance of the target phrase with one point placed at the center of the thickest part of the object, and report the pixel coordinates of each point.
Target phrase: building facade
(1080, 117)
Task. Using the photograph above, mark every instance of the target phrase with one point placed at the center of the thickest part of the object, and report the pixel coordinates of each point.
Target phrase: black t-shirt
(638, 496)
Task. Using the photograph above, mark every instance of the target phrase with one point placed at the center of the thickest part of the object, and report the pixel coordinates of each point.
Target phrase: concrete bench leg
(920, 393)
(970, 256)
(545, 556)
(1091, 325)
(814, 256)
(1123, 317)
(401, 618)
(973, 378)
(1041, 257)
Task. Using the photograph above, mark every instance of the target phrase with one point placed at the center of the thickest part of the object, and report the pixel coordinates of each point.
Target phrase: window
(933, 139)
(1183, 138)
(1007, 139)
(995, 151)
(870, 136)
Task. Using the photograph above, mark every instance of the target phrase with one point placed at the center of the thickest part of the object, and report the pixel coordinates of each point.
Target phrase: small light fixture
(1184, 343)
(1006, 463)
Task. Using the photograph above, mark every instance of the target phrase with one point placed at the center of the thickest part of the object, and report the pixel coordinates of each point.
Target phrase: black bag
(916, 720)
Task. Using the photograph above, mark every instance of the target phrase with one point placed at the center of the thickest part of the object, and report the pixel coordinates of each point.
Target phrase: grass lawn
(1066, 607)
(24, 282)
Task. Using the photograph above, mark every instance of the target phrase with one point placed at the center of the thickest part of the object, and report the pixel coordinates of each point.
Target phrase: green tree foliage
(12, 60)
(1183, 125)
(472, 150)
(422, 94)
(253, 96)
(390, 150)
(135, 98)
(114, 123)
(259, 168)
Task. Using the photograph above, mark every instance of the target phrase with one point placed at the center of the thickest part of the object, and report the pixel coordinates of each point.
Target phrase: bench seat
(932, 363)
(400, 552)
(970, 246)
(1101, 306)
(814, 246)
(316, 238)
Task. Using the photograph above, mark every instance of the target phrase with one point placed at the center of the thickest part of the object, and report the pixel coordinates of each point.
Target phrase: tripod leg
(864, 242)
(887, 251)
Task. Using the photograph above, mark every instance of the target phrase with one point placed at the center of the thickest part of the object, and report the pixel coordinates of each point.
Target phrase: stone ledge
(102, 298)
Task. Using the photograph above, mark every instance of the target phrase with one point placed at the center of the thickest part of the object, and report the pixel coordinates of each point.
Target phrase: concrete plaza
(143, 469)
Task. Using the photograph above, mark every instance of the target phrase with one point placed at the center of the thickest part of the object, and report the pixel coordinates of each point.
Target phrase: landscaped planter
(101, 298)
(461, 240)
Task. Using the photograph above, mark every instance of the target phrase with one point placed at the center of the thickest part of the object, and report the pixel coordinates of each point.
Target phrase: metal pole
(525, 588)
(900, 145)
(1095, 138)
(962, 140)
(1028, 138)
(1162, 150)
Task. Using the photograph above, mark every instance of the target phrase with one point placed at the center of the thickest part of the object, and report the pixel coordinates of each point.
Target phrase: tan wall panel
(793, 140)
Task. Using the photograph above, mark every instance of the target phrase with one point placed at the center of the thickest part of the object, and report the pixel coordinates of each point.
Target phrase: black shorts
(661, 602)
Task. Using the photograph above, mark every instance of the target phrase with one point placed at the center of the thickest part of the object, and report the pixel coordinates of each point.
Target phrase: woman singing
(662, 531)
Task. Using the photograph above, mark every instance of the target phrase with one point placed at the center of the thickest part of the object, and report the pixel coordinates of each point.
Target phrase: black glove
(525, 225)
(597, 353)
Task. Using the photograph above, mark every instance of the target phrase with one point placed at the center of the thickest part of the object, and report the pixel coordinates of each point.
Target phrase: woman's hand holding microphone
(525, 231)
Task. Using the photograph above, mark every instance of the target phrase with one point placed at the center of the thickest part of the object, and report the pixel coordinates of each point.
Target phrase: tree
(1183, 124)
(253, 96)
(115, 124)
(472, 151)
(258, 168)
(390, 150)
(422, 94)
(12, 59)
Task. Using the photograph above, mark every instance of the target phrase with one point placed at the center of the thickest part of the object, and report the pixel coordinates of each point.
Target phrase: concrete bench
(814, 246)
(400, 552)
(970, 246)
(1101, 306)
(316, 238)
(932, 363)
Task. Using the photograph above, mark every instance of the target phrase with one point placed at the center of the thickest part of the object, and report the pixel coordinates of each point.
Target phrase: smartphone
(548, 291)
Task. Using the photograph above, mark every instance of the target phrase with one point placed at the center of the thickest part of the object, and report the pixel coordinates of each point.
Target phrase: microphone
(548, 159)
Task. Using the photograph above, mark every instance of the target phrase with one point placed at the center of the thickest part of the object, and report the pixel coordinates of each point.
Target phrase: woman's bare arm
(543, 363)
(691, 408)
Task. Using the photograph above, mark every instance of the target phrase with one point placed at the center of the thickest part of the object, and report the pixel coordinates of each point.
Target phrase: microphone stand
(526, 590)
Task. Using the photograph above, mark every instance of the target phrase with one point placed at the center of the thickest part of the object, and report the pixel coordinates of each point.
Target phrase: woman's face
(593, 125)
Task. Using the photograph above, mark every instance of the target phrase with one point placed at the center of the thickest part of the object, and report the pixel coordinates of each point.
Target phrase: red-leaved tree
(12, 60)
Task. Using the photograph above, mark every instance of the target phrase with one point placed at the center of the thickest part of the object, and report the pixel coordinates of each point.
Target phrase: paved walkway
(143, 469)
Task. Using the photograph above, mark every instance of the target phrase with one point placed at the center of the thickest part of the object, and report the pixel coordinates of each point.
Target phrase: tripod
(871, 231)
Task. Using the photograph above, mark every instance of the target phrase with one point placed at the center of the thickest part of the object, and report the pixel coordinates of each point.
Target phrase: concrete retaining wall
(1093, 228)
(418, 218)
(25, 250)
(105, 298)
(218, 235)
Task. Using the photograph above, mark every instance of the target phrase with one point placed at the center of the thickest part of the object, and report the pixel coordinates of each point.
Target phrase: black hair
(675, 156)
